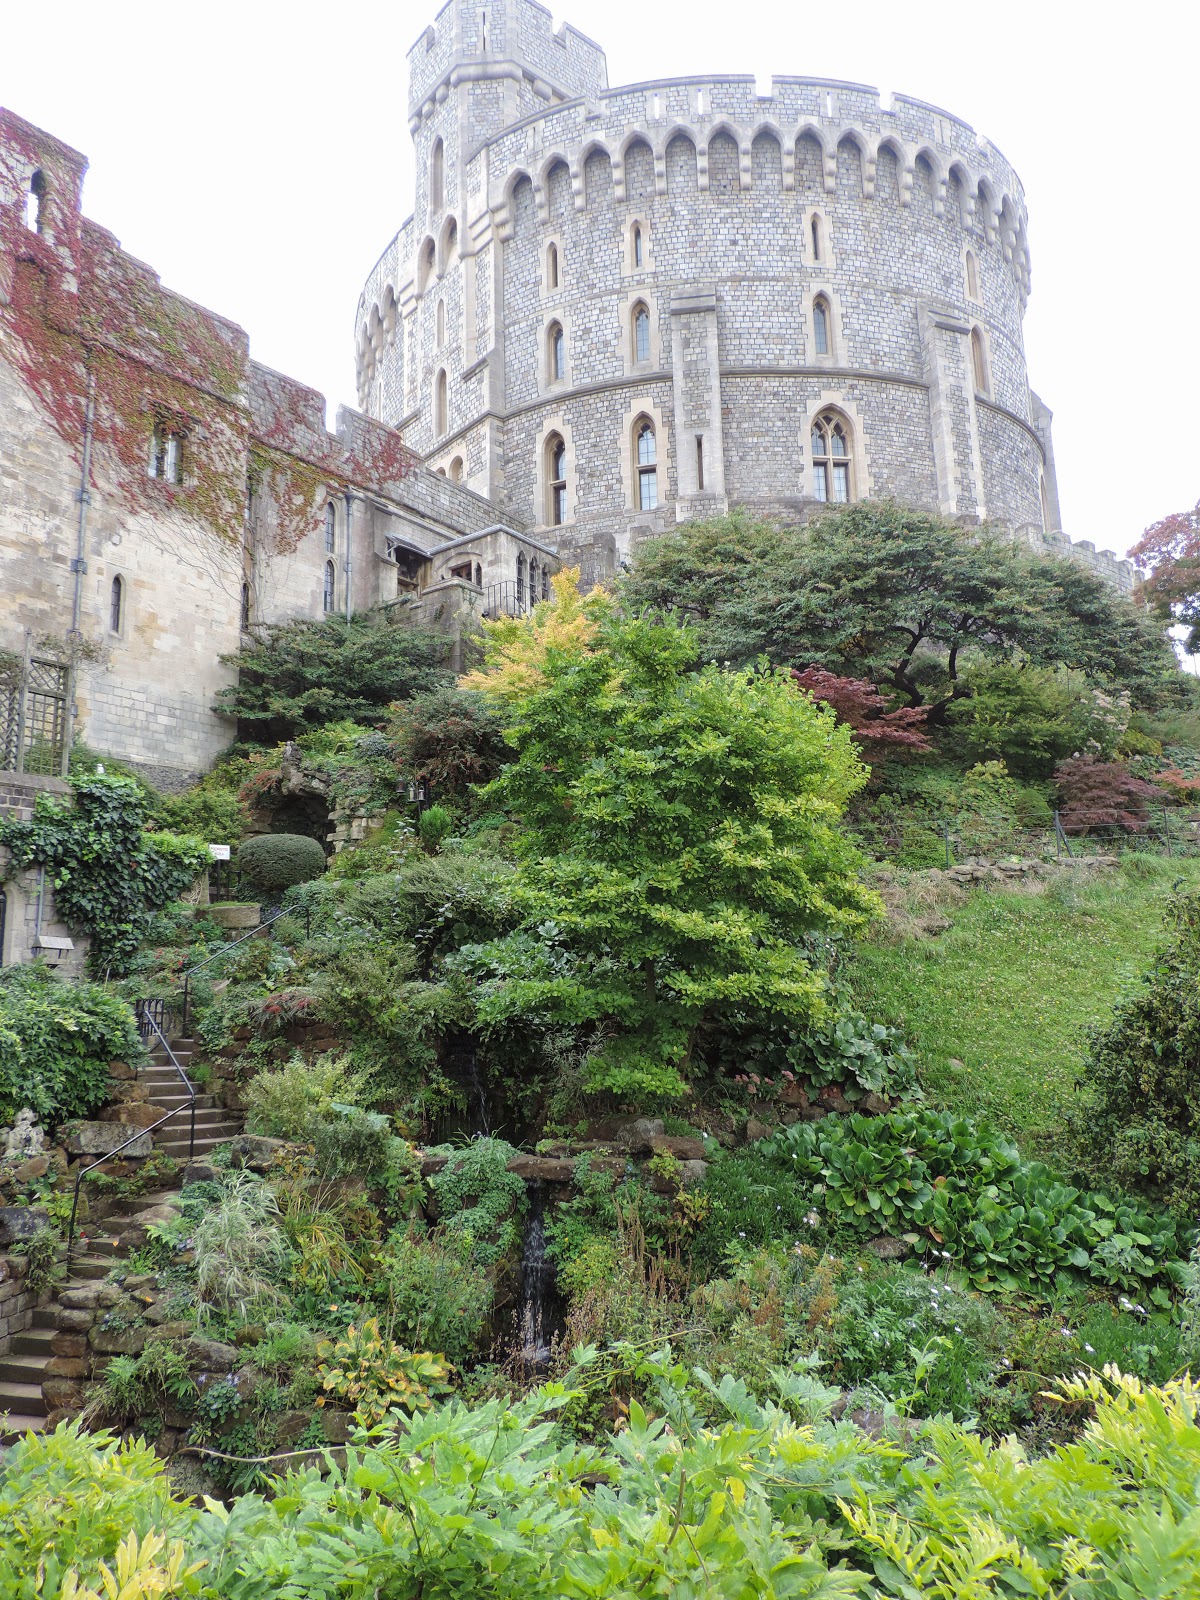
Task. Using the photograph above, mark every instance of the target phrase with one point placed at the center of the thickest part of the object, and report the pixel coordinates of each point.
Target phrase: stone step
(204, 1114)
(23, 1398)
(128, 1205)
(209, 1141)
(89, 1269)
(33, 1342)
(23, 1368)
(176, 1102)
(15, 1425)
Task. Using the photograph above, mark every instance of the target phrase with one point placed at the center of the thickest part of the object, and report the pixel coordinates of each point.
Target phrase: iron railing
(223, 949)
(149, 1013)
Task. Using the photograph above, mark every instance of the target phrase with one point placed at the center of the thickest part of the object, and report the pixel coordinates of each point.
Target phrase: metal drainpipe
(79, 565)
(349, 564)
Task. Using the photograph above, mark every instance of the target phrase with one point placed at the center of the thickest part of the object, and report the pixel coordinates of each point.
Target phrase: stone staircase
(213, 1123)
(55, 1346)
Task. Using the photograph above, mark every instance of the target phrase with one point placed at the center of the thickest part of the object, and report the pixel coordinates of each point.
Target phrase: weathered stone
(889, 1248)
(164, 1327)
(290, 1425)
(253, 1153)
(25, 1138)
(58, 1414)
(756, 1130)
(132, 1114)
(873, 1104)
(117, 1341)
(338, 1425)
(66, 1367)
(81, 1299)
(636, 1136)
(832, 1098)
(692, 1173)
(167, 1442)
(121, 1070)
(542, 1169)
(28, 1171)
(681, 1147)
(210, 1355)
(199, 1172)
(102, 1138)
(63, 1392)
(21, 1222)
(189, 1480)
(140, 1280)
(69, 1344)
(72, 1321)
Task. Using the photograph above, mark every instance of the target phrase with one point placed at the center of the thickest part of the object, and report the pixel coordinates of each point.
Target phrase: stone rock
(167, 1442)
(682, 1148)
(84, 1298)
(62, 1392)
(248, 1381)
(888, 1248)
(756, 1130)
(72, 1321)
(35, 1167)
(338, 1425)
(832, 1098)
(210, 1355)
(252, 1152)
(431, 1164)
(59, 1414)
(13, 1268)
(140, 1280)
(199, 1172)
(189, 1481)
(66, 1367)
(102, 1138)
(136, 1114)
(122, 1071)
(164, 1328)
(117, 1341)
(71, 1345)
(25, 1138)
(109, 1294)
(636, 1136)
(692, 1173)
(21, 1222)
(543, 1169)
(873, 1104)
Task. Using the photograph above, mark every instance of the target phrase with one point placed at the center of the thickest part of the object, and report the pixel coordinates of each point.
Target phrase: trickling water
(539, 1314)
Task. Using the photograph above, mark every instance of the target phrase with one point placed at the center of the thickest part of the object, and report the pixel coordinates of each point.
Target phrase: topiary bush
(275, 861)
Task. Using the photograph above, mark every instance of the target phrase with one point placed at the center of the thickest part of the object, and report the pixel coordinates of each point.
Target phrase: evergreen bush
(56, 1040)
(275, 861)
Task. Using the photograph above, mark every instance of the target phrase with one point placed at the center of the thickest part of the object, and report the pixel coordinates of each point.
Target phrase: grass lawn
(1013, 988)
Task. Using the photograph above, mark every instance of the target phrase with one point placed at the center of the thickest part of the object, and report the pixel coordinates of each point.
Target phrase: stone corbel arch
(866, 156)
(937, 168)
(905, 165)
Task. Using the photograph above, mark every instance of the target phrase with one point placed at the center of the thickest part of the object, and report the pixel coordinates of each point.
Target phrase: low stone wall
(17, 1300)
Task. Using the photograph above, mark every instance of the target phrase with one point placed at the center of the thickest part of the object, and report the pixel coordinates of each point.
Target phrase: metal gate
(34, 714)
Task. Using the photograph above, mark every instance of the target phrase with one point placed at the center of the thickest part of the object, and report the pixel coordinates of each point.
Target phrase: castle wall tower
(613, 309)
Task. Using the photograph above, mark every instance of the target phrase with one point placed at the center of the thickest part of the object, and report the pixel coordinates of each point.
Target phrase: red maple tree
(879, 729)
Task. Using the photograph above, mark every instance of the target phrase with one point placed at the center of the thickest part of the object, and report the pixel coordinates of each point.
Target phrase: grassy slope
(1014, 987)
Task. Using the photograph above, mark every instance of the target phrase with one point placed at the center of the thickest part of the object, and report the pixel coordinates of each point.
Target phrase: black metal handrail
(222, 949)
(147, 1024)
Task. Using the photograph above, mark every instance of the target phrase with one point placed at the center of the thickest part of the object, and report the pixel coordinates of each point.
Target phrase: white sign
(219, 852)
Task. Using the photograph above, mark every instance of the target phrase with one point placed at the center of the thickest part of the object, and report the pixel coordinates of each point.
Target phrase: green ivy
(481, 1203)
(56, 1040)
(109, 875)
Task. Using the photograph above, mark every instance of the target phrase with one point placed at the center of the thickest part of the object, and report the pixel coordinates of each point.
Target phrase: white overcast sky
(257, 155)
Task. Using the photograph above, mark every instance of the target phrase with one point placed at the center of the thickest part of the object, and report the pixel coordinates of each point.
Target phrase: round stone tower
(613, 309)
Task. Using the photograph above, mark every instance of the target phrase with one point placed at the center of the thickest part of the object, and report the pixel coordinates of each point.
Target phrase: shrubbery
(56, 1040)
(277, 861)
(1140, 1118)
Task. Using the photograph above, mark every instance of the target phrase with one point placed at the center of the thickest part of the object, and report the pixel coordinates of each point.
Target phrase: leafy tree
(449, 736)
(1102, 794)
(297, 676)
(1031, 718)
(1172, 547)
(901, 595)
(879, 729)
(680, 836)
(56, 1040)
(109, 875)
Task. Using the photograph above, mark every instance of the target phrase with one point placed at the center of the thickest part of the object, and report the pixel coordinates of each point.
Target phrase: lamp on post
(418, 793)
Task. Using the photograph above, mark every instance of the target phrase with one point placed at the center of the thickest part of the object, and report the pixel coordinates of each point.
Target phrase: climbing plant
(108, 873)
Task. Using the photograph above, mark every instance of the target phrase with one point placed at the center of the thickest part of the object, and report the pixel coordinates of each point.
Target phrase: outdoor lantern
(418, 790)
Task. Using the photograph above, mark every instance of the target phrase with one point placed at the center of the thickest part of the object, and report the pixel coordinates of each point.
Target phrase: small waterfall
(460, 1063)
(539, 1315)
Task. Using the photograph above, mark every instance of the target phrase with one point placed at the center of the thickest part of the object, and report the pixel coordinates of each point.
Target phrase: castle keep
(613, 309)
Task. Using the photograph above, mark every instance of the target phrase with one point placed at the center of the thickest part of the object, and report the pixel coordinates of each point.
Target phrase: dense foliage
(678, 838)
(56, 1040)
(109, 874)
(717, 1494)
(899, 595)
(300, 675)
(450, 737)
(1171, 548)
(1140, 1121)
(950, 1185)
(276, 861)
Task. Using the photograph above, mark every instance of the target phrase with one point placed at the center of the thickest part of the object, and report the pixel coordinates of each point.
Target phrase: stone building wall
(920, 252)
(153, 572)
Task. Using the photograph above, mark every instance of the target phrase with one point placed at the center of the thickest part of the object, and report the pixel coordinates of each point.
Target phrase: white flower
(1089, 1349)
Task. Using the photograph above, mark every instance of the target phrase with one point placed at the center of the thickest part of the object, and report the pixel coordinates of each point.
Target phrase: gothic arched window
(556, 480)
(832, 478)
(639, 246)
(552, 266)
(437, 176)
(329, 590)
(822, 342)
(35, 204)
(116, 606)
(330, 528)
(520, 582)
(972, 276)
(979, 362)
(646, 447)
(556, 352)
(441, 404)
(641, 332)
(815, 228)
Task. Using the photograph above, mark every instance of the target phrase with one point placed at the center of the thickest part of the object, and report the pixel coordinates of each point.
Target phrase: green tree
(297, 676)
(901, 595)
(680, 837)
(1031, 718)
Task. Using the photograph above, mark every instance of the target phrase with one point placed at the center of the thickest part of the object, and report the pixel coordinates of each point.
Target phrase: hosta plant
(372, 1375)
